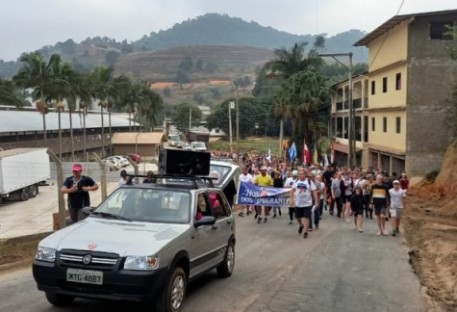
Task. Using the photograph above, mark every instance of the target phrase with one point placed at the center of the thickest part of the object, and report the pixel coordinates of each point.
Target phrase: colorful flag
(269, 153)
(292, 152)
(306, 154)
(315, 160)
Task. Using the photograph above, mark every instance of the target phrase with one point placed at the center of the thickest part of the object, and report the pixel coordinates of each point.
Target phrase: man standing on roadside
(78, 187)
(301, 197)
(379, 200)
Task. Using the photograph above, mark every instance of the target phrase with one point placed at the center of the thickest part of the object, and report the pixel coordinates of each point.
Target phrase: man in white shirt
(246, 177)
(397, 203)
(303, 193)
(291, 178)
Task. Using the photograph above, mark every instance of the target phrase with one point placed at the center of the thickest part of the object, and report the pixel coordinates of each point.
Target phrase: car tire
(172, 297)
(225, 269)
(33, 191)
(24, 194)
(59, 300)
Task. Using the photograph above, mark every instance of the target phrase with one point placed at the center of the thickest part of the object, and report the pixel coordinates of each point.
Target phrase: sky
(28, 25)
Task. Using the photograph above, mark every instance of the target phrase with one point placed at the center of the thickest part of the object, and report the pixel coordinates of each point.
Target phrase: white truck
(21, 172)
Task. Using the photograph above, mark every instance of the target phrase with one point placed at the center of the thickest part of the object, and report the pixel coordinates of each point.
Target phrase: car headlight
(45, 254)
(141, 263)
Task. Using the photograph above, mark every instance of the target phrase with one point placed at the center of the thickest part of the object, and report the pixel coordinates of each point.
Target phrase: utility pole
(281, 136)
(237, 122)
(190, 117)
(352, 158)
(230, 107)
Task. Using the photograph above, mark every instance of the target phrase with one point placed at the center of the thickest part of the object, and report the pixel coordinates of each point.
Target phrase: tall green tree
(183, 113)
(9, 94)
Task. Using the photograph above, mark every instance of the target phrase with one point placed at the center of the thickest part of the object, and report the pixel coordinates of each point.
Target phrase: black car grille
(98, 260)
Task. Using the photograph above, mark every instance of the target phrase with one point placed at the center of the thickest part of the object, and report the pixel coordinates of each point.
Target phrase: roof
(18, 121)
(394, 21)
(137, 138)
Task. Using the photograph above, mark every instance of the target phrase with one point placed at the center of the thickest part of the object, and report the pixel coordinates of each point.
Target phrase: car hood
(123, 238)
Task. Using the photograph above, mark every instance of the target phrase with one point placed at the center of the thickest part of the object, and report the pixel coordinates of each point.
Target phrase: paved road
(335, 269)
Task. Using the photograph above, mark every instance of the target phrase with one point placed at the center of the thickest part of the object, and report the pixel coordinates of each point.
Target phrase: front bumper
(117, 284)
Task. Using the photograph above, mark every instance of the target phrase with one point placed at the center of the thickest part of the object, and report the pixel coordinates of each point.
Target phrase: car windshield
(148, 205)
(220, 172)
(198, 144)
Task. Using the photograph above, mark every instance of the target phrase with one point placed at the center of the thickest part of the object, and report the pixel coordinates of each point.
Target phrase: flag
(292, 152)
(315, 160)
(269, 153)
(306, 154)
(326, 163)
(332, 154)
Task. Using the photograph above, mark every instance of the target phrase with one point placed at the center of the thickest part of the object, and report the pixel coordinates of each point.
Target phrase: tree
(182, 77)
(36, 74)
(111, 57)
(167, 92)
(303, 99)
(9, 95)
(181, 115)
(186, 64)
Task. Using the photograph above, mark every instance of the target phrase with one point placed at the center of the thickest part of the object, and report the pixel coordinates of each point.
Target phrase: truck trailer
(22, 170)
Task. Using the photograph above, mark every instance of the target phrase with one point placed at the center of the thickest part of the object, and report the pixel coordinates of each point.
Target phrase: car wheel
(59, 300)
(24, 194)
(172, 297)
(33, 191)
(225, 269)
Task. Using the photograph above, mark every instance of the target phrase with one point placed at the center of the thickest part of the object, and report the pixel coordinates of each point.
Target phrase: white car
(111, 164)
(198, 146)
(123, 161)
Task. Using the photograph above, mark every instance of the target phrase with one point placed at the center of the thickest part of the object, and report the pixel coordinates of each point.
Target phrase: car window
(149, 205)
(216, 204)
(219, 172)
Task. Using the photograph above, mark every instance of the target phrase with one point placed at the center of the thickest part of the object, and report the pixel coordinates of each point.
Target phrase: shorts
(346, 198)
(396, 212)
(358, 212)
(303, 212)
(380, 210)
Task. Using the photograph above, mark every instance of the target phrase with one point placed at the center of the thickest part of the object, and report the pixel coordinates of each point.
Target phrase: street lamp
(230, 107)
(352, 158)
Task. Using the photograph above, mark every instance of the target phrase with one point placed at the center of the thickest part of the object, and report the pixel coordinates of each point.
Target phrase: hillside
(206, 30)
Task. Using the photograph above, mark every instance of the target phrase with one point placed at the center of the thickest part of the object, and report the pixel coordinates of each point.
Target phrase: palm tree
(35, 73)
(8, 94)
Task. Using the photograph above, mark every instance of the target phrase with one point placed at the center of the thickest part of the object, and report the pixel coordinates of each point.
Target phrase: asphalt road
(335, 269)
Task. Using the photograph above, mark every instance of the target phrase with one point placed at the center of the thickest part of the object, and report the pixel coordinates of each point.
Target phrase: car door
(224, 221)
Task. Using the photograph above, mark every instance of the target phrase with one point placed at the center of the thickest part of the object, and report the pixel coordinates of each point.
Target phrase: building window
(440, 30)
(358, 128)
(373, 124)
(373, 87)
(398, 81)
(384, 84)
(384, 124)
(365, 129)
(346, 128)
(339, 127)
(398, 124)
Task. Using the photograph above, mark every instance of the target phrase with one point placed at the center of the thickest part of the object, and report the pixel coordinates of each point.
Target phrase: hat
(77, 168)
(295, 173)
(396, 182)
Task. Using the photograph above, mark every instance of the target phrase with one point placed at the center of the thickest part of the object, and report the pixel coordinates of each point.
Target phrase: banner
(252, 194)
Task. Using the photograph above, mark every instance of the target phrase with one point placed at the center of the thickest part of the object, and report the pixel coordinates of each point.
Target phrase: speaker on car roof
(173, 161)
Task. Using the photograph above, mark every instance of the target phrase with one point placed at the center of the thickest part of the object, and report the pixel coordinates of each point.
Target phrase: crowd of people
(342, 192)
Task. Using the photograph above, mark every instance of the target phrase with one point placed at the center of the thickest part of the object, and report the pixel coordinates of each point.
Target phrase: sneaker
(274, 216)
(385, 233)
(265, 220)
(360, 231)
(291, 222)
(393, 233)
(300, 229)
(305, 235)
(379, 233)
(259, 219)
(241, 214)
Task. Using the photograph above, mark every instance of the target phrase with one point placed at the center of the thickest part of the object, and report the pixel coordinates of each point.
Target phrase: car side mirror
(87, 210)
(205, 220)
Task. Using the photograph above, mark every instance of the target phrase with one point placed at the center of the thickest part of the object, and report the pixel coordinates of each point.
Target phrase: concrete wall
(430, 73)
(390, 139)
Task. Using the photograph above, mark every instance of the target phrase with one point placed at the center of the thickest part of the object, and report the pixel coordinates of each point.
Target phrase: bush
(431, 176)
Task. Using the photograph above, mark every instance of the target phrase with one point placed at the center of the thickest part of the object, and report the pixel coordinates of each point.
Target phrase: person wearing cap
(397, 203)
(262, 179)
(78, 187)
(292, 177)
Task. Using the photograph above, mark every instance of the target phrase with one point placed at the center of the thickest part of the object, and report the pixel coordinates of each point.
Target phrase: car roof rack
(207, 180)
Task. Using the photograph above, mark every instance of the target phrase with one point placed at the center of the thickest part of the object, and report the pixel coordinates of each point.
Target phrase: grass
(259, 144)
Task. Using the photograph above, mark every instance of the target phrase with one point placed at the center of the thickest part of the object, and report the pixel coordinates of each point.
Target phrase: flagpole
(281, 136)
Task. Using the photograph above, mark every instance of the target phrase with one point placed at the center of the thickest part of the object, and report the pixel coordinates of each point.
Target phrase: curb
(15, 265)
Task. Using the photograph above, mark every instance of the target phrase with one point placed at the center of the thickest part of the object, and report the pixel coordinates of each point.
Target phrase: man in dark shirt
(380, 200)
(78, 187)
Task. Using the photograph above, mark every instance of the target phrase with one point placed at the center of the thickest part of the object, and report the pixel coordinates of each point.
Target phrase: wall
(389, 139)
(430, 73)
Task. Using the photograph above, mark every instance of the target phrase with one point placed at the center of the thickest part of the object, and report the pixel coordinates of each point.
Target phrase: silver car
(145, 241)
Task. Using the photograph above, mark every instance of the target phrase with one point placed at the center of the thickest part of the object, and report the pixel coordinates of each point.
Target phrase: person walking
(347, 185)
(78, 187)
(246, 177)
(357, 206)
(336, 195)
(301, 197)
(289, 184)
(262, 179)
(279, 183)
(397, 203)
(367, 193)
(379, 200)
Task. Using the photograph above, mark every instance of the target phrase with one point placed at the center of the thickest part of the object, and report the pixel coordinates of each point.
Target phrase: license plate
(85, 276)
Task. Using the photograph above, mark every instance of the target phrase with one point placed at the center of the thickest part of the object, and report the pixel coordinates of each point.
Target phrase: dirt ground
(430, 224)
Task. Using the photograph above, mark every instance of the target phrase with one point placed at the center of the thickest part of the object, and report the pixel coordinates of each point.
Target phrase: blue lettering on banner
(251, 194)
